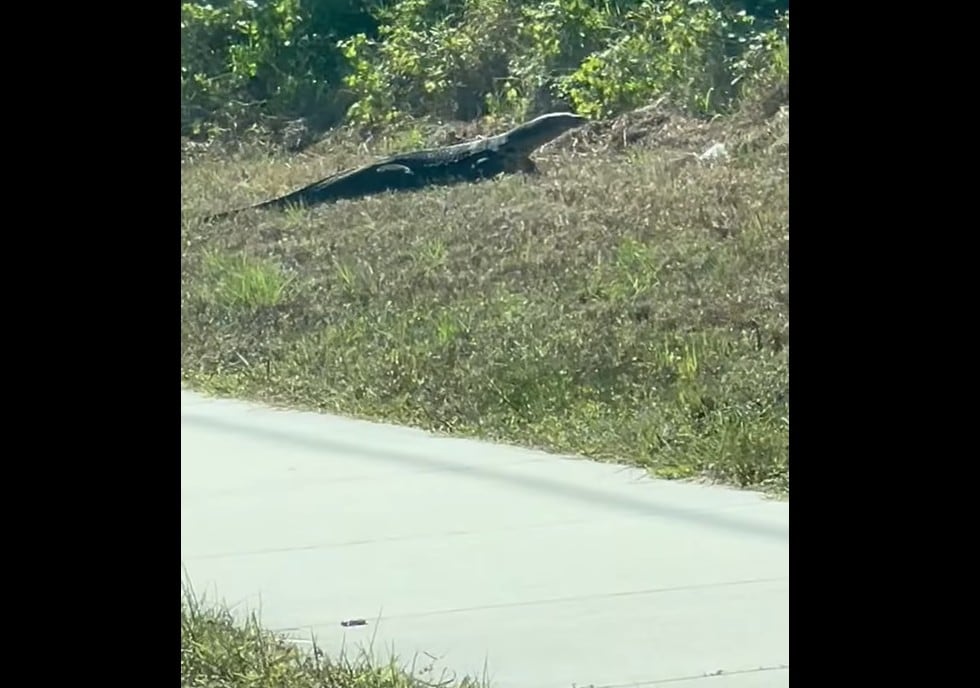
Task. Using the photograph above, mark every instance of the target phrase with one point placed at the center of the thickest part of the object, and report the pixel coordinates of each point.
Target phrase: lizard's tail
(275, 202)
(295, 197)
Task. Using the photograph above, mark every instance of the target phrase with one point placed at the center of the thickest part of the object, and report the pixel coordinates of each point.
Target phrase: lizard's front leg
(527, 166)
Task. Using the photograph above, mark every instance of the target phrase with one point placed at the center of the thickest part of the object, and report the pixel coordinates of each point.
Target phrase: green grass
(631, 304)
(220, 650)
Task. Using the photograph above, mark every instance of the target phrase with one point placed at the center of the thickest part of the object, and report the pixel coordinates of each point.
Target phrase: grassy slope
(624, 306)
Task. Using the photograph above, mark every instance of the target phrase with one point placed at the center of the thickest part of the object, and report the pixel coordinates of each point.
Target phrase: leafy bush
(377, 62)
(477, 57)
(242, 60)
(432, 57)
(507, 57)
(680, 48)
(763, 66)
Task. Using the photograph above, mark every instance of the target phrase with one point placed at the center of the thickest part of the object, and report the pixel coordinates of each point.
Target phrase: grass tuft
(220, 650)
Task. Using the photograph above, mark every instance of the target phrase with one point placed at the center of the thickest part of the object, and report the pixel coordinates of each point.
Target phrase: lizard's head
(543, 129)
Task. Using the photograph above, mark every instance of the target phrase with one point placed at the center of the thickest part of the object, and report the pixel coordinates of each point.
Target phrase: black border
(858, 123)
(103, 566)
(96, 485)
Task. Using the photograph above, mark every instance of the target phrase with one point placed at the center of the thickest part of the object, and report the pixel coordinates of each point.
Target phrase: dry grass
(630, 304)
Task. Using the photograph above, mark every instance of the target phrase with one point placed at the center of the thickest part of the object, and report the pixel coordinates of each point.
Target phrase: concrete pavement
(540, 571)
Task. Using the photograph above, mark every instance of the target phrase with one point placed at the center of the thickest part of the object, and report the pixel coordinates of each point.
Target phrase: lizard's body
(506, 153)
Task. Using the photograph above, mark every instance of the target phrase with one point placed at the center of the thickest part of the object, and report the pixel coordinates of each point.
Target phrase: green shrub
(432, 57)
(245, 62)
(471, 58)
(688, 50)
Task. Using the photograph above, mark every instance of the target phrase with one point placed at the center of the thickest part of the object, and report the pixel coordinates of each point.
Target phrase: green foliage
(553, 34)
(378, 62)
(685, 49)
(764, 64)
(242, 60)
(432, 57)
(469, 58)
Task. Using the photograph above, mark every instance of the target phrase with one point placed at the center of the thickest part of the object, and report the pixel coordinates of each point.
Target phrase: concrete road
(532, 570)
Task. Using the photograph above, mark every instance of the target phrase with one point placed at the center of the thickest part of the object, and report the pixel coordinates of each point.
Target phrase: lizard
(471, 161)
